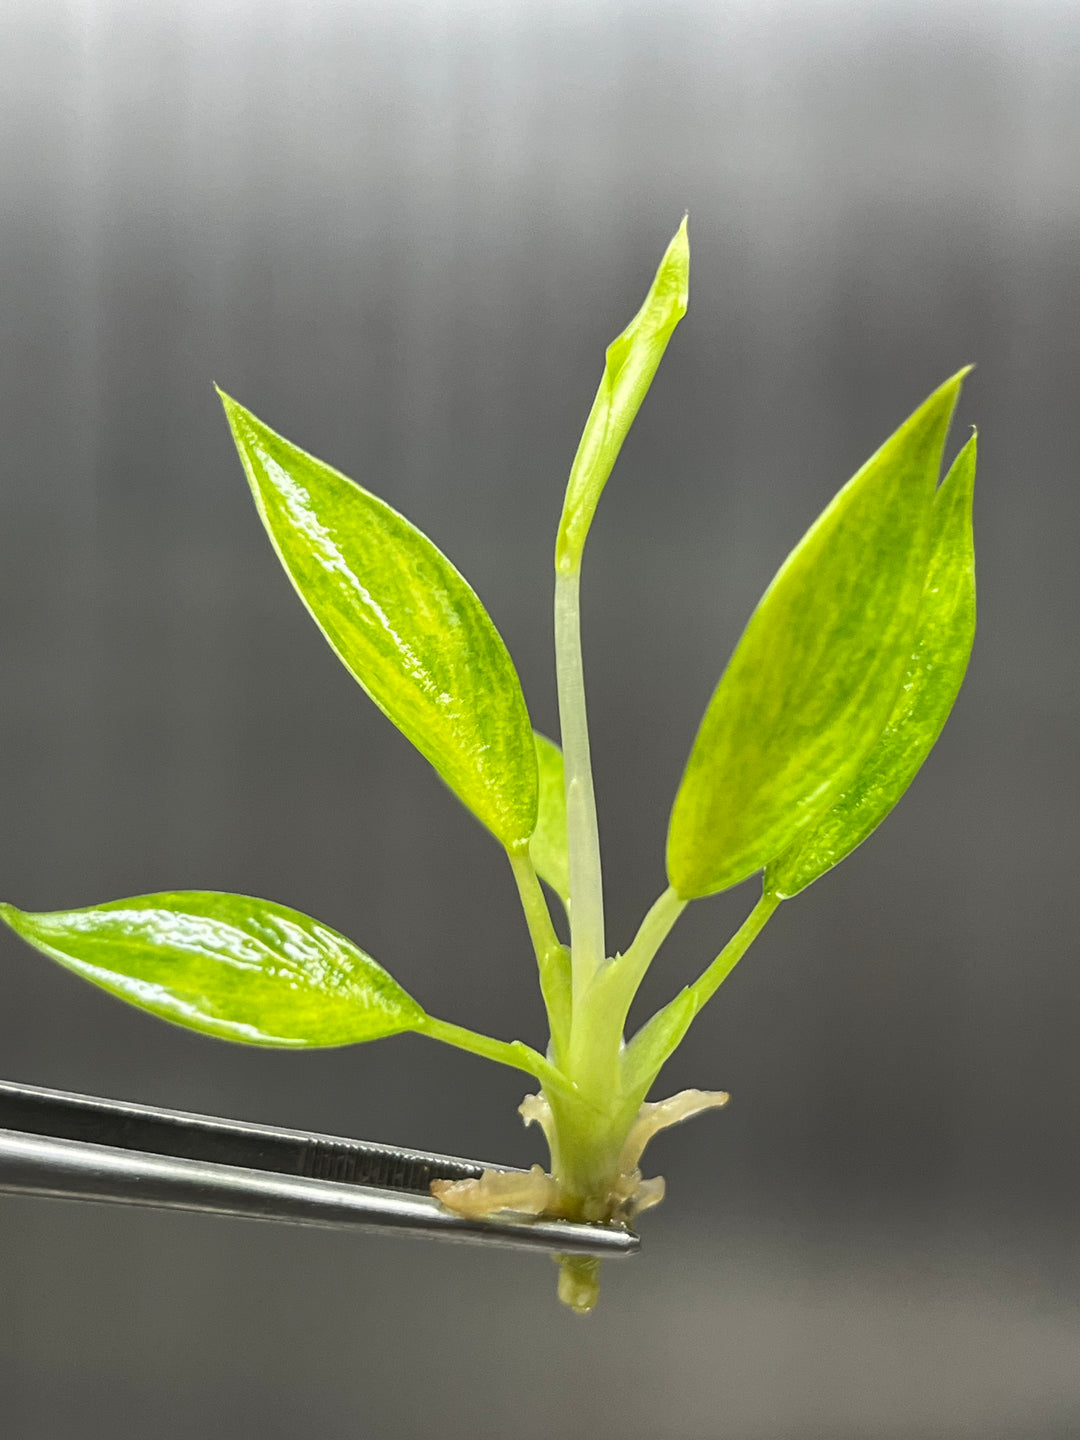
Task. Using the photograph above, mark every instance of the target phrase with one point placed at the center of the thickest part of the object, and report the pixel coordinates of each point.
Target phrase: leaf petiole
(652, 932)
(604, 1007)
(514, 1053)
(661, 1036)
(552, 957)
(706, 986)
(586, 883)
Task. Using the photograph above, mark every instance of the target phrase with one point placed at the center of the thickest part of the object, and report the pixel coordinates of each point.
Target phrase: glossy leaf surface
(548, 847)
(943, 639)
(629, 366)
(817, 670)
(403, 621)
(228, 965)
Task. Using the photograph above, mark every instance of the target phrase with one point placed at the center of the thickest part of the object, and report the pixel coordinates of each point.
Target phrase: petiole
(552, 957)
(583, 839)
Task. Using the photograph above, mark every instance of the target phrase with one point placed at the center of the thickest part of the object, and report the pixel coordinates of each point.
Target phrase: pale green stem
(505, 1052)
(652, 932)
(657, 1041)
(601, 1012)
(706, 986)
(586, 887)
(551, 957)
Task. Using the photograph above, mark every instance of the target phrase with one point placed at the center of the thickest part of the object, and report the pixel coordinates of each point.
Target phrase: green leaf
(943, 639)
(403, 621)
(228, 965)
(816, 673)
(630, 364)
(549, 846)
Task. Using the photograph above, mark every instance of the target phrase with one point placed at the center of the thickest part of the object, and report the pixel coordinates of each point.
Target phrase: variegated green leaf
(228, 965)
(943, 640)
(403, 621)
(816, 673)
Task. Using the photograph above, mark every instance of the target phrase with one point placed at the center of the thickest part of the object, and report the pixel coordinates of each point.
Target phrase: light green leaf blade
(629, 366)
(944, 635)
(403, 621)
(228, 965)
(817, 670)
(549, 847)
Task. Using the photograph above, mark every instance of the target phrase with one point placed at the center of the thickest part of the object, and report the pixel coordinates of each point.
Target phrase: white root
(529, 1193)
(662, 1114)
(535, 1110)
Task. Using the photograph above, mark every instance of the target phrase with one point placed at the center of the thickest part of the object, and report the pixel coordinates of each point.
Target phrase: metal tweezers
(79, 1147)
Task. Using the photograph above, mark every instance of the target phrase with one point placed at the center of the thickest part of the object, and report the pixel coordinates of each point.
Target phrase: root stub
(579, 1282)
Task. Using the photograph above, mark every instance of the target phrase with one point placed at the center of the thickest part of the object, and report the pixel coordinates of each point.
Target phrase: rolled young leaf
(816, 672)
(403, 621)
(629, 366)
(227, 965)
(548, 846)
(943, 639)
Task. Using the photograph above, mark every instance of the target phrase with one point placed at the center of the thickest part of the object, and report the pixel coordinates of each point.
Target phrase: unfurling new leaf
(816, 673)
(629, 366)
(403, 621)
(943, 638)
(228, 965)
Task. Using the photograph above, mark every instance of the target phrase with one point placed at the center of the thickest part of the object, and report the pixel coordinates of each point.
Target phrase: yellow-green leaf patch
(816, 673)
(943, 639)
(228, 965)
(403, 621)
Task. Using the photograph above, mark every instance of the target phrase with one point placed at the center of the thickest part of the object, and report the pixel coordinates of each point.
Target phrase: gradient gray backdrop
(403, 234)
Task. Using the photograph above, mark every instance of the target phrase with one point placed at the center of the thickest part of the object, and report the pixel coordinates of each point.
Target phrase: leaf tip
(671, 287)
(969, 450)
(929, 424)
(676, 265)
(947, 393)
(235, 413)
(958, 486)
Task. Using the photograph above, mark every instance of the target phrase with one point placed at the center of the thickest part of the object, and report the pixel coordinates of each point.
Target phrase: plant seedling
(832, 700)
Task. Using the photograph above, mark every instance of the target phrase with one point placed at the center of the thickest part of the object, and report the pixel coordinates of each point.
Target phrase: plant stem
(657, 1041)
(586, 885)
(602, 1010)
(504, 1052)
(652, 932)
(551, 956)
(707, 984)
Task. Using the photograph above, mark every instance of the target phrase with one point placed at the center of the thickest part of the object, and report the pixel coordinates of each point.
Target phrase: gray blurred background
(403, 234)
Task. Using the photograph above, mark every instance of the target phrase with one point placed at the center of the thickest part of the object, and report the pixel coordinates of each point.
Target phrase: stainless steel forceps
(80, 1147)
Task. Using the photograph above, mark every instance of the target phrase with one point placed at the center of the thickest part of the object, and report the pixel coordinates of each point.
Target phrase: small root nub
(579, 1282)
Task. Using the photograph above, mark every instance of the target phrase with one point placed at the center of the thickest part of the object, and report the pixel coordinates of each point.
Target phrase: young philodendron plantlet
(835, 694)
